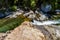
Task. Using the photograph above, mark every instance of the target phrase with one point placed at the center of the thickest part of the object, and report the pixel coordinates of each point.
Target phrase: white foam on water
(46, 22)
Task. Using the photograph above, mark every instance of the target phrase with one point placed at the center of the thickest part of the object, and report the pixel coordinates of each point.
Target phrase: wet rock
(46, 8)
(8, 13)
(2, 15)
(14, 14)
(42, 17)
(57, 11)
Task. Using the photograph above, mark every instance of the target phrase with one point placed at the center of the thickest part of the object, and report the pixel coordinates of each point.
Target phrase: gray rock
(46, 8)
(15, 14)
(2, 15)
(42, 17)
(32, 16)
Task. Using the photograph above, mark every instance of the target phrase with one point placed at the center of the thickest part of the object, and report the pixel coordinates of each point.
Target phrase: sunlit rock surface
(25, 31)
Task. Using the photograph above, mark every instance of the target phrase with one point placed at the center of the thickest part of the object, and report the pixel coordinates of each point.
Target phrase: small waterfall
(49, 22)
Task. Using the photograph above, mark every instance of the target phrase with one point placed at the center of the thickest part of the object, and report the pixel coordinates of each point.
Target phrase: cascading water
(45, 9)
(46, 22)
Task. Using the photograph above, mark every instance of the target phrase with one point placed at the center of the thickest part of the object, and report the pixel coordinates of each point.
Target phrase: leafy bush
(11, 23)
(14, 8)
(28, 3)
(33, 4)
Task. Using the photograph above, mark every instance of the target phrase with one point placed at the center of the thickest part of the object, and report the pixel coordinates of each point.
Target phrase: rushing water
(49, 22)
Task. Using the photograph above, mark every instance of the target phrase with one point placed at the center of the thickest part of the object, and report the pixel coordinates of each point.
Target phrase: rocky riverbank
(27, 31)
(36, 32)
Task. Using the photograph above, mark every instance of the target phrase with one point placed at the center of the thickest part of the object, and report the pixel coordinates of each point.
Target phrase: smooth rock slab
(25, 32)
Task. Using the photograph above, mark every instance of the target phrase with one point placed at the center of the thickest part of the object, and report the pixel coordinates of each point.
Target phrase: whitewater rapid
(49, 22)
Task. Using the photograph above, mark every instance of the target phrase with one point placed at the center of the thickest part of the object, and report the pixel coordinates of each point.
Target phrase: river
(48, 22)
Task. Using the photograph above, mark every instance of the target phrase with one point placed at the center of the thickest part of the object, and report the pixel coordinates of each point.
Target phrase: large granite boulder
(25, 31)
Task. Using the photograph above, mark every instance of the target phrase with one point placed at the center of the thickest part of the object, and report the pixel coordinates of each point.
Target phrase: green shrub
(13, 8)
(33, 4)
(10, 24)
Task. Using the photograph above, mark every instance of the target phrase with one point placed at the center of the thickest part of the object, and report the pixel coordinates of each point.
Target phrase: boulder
(42, 17)
(46, 7)
(2, 15)
(25, 31)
